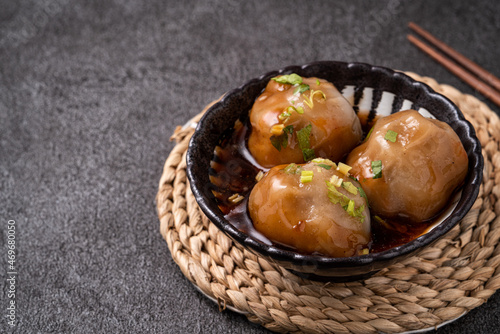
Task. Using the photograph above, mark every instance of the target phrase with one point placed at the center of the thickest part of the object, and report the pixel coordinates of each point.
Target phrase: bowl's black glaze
(238, 102)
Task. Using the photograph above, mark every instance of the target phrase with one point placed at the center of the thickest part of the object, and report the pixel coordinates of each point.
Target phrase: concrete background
(90, 92)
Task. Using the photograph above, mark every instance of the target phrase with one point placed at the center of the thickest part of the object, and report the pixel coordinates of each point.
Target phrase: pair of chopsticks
(470, 72)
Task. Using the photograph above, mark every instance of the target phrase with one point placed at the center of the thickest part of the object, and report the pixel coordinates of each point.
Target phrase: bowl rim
(470, 189)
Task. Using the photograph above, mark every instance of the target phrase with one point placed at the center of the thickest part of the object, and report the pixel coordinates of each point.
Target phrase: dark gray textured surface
(90, 92)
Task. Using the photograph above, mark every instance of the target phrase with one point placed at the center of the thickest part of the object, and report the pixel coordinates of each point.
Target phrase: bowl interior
(372, 91)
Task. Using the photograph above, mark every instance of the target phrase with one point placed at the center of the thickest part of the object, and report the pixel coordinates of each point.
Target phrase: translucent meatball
(409, 166)
(296, 119)
(313, 208)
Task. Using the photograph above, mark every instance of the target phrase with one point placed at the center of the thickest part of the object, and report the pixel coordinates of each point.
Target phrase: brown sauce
(233, 171)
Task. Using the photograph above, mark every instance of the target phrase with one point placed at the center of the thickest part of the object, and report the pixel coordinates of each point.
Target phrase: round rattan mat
(439, 284)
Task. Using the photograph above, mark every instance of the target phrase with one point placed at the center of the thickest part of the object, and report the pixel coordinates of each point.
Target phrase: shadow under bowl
(372, 91)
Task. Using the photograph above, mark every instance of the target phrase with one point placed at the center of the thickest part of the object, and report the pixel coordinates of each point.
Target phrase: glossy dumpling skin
(301, 215)
(335, 128)
(420, 170)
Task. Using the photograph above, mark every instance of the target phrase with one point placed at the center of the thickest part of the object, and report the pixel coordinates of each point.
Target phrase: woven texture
(440, 283)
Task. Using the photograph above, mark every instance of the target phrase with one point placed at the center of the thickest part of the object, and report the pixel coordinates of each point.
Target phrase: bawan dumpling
(313, 208)
(296, 119)
(409, 166)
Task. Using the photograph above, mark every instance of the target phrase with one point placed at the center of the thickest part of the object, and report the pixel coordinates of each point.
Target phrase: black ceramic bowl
(372, 91)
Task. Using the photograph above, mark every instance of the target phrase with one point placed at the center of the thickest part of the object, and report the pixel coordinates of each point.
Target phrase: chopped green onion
(288, 112)
(306, 176)
(369, 133)
(309, 103)
(290, 79)
(350, 187)
(301, 88)
(304, 143)
(310, 100)
(235, 198)
(350, 208)
(327, 167)
(335, 196)
(362, 194)
(317, 82)
(284, 115)
(292, 169)
(326, 162)
(343, 168)
(322, 161)
(336, 181)
(377, 169)
(358, 213)
(391, 136)
(277, 129)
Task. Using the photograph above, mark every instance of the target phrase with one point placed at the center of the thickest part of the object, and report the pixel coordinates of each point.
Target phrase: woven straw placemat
(439, 284)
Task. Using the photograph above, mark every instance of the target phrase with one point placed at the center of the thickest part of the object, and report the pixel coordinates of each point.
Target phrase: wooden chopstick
(458, 57)
(468, 77)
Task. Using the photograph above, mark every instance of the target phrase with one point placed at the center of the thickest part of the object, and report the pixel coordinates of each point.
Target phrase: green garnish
(310, 100)
(277, 129)
(308, 154)
(355, 213)
(324, 161)
(350, 187)
(343, 168)
(235, 198)
(298, 110)
(358, 213)
(284, 115)
(288, 129)
(350, 208)
(290, 79)
(377, 169)
(336, 197)
(293, 79)
(288, 112)
(336, 181)
(304, 143)
(369, 133)
(391, 136)
(292, 169)
(327, 167)
(362, 194)
(281, 141)
(301, 88)
(317, 82)
(306, 176)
